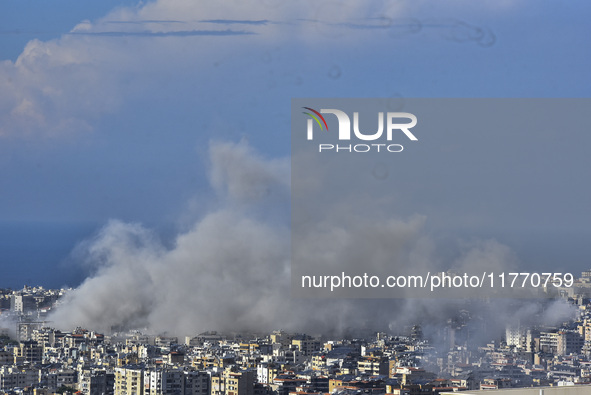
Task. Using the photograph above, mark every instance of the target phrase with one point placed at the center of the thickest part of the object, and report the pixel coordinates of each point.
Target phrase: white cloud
(64, 85)
(55, 87)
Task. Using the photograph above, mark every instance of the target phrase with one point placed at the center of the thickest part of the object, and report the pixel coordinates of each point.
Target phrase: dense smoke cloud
(228, 270)
(231, 270)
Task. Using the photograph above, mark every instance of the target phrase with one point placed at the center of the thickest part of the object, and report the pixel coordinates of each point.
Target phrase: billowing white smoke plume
(8, 326)
(231, 270)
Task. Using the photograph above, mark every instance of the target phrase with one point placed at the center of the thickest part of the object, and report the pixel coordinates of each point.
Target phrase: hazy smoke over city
(230, 271)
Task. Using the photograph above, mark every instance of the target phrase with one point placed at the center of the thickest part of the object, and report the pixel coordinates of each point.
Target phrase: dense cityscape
(36, 358)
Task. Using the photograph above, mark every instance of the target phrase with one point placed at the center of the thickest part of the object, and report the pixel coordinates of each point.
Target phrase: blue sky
(107, 109)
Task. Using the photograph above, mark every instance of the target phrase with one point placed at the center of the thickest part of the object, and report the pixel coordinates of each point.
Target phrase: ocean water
(39, 253)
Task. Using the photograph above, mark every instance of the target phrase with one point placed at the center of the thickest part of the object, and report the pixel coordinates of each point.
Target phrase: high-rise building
(233, 383)
(29, 351)
(196, 383)
(95, 382)
(164, 382)
(129, 381)
(16, 303)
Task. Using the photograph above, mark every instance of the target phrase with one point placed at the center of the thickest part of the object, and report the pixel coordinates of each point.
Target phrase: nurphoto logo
(395, 122)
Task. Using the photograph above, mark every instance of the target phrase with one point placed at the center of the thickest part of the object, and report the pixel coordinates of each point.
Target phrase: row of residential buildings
(36, 358)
